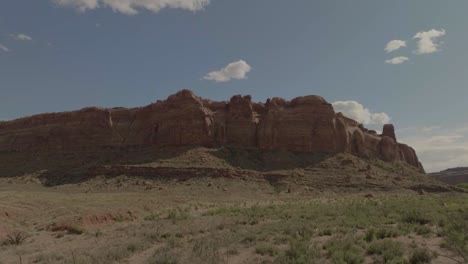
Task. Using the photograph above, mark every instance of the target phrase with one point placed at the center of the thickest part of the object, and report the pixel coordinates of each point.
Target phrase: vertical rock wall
(305, 124)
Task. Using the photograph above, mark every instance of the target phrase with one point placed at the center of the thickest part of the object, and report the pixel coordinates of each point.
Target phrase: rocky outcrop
(305, 124)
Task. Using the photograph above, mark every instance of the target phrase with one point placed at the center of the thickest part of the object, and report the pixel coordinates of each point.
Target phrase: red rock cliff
(305, 124)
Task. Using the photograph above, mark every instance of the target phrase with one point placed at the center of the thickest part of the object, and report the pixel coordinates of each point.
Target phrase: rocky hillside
(304, 125)
(452, 176)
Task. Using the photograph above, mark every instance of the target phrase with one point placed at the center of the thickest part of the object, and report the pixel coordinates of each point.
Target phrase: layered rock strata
(305, 124)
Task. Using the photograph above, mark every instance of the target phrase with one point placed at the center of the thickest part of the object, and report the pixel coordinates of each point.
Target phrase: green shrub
(420, 256)
(386, 233)
(455, 231)
(422, 230)
(300, 251)
(391, 251)
(370, 235)
(415, 217)
(177, 215)
(345, 250)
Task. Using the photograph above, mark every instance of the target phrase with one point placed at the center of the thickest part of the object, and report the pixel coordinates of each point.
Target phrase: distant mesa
(452, 176)
(305, 124)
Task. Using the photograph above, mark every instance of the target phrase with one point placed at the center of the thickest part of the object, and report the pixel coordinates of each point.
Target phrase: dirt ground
(207, 220)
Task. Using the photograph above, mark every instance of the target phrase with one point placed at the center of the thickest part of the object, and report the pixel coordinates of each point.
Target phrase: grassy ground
(229, 221)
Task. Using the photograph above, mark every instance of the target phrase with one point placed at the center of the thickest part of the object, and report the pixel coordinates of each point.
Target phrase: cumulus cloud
(428, 41)
(132, 7)
(438, 149)
(22, 37)
(395, 45)
(358, 112)
(236, 70)
(397, 60)
(4, 48)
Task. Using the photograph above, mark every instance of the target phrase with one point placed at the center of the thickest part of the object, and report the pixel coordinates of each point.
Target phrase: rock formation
(305, 124)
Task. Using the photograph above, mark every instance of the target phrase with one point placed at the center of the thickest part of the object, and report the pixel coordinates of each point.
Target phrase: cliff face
(305, 124)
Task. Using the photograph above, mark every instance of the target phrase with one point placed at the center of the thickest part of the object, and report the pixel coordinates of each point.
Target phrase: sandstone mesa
(304, 124)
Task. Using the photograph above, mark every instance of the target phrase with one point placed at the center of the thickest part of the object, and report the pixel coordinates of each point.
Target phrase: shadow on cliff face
(76, 167)
(279, 168)
(13, 164)
(254, 159)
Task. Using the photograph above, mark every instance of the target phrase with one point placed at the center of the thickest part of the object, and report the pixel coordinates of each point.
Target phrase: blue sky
(58, 55)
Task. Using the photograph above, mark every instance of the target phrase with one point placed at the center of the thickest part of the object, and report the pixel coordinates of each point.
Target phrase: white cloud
(132, 7)
(4, 48)
(358, 112)
(438, 148)
(395, 45)
(428, 41)
(22, 37)
(236, 70)
(397, 60)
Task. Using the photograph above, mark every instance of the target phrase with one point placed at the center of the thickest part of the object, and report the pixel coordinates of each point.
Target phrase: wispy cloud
(132, 7)
(395, 45)
(236, 70)
(358, 112)
(23, 37)
(438, 148)
(4, 48)
(428, 41)
(397, 60)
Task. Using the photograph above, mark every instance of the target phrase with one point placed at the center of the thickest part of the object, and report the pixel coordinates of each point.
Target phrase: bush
(391, 251)
(455, 231)
(370, 235)
(15, 238)
(162, 256)
(422, 230)
(386, 233)
(300, 251)
(345, 250)
(415, 217)
(177, 215)
(266, 250)
(206, 250)
(420, 256)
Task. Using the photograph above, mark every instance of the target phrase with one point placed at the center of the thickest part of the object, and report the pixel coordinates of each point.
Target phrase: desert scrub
(455, 233)
(152, 217)
(423, 230)
(420, 256)
(300, 251)
(15, 238)
(176, 215)
(370, 235)
(386, 233)
(391, 251)
(266, 250)
(415, 217)
(347, 249)
(206, 251)
(163, 256)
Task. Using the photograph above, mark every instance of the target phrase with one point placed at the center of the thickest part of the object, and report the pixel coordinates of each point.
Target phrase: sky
(399, 61)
